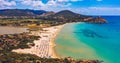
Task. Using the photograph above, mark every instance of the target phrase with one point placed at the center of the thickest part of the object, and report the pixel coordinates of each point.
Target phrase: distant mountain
(62, 16)
(47, 14)
(37, 12)
(21, 12)
(68, 14)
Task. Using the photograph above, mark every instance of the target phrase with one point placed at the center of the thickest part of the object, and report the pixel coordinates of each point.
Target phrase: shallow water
(91, 41)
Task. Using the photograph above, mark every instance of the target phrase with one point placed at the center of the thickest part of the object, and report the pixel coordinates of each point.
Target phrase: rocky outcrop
(96, 20)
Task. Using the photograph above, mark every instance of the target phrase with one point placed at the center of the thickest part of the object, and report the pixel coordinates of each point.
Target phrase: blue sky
(88, 7)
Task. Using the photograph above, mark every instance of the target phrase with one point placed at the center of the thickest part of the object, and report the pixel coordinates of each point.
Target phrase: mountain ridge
(63, 16)
(67, 14)
(21, 12)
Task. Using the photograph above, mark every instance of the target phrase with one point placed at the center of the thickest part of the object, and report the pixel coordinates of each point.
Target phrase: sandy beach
(45, 46)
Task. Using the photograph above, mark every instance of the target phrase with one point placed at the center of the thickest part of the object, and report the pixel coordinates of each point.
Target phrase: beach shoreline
(53, 41)
(45, 46)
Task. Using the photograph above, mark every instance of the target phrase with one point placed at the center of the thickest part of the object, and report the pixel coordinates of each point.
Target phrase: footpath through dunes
(44, 47)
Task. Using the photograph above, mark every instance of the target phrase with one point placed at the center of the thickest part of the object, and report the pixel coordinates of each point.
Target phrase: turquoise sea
(91, 41)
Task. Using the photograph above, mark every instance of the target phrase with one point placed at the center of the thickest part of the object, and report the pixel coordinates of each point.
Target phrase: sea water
(91, 41)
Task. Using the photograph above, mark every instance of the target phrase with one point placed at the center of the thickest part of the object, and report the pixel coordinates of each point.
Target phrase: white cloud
(51, 2)
(63, 0)
(5, 3)
(37, 3)
(27, 2)
(98, 10)
(66, 5)
(33, 3)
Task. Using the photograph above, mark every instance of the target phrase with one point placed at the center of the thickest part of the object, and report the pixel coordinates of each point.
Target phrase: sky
(87, 7)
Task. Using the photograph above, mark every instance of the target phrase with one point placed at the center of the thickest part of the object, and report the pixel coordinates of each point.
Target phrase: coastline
(45, 46)
(53, 42)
